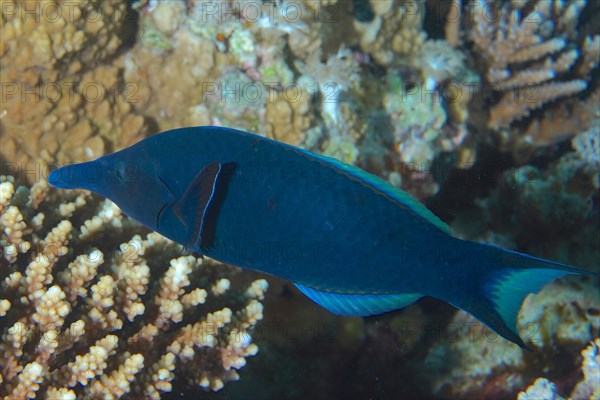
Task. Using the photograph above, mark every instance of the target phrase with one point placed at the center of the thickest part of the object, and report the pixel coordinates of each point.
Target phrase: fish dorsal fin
(384, 187)
(199, 206)
(358, 305)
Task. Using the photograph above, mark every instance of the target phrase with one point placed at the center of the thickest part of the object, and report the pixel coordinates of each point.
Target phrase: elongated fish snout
(77, 176)
(55, 179)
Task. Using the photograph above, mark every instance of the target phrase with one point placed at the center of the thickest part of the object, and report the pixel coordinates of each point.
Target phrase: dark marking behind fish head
(199, 206)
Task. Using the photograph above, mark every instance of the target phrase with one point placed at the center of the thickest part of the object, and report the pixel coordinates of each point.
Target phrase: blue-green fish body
(348, 240)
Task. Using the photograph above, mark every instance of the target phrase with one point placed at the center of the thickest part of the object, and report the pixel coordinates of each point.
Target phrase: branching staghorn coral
(88, 309)
(533, 54)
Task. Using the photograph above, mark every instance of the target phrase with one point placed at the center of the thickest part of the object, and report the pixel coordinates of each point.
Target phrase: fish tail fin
(507, 278)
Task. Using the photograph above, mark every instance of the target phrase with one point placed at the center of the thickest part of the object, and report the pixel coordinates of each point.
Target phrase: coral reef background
(487, 111)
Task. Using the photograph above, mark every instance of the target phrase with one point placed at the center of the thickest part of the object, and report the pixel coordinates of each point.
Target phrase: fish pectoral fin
(358, 305)
(202, 201)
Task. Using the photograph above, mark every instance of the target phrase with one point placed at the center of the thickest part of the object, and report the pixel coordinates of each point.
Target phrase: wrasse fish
(347, 239)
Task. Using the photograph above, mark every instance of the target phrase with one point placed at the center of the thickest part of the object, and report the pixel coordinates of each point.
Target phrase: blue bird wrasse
(347, 239)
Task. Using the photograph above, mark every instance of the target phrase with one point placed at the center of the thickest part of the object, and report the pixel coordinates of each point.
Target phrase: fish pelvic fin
(511, 277)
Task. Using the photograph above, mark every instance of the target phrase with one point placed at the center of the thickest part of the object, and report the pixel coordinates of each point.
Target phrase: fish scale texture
(298, 217)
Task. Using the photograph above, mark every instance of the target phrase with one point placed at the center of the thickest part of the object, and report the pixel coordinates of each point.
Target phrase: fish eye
(118, 174)
(125, 172)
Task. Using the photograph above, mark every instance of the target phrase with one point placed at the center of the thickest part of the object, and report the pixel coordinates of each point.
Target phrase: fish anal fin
(202, 201)
(358, 305)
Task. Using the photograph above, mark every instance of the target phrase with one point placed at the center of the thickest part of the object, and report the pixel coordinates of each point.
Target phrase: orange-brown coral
(532, 55)
(221, 69)
(395, 32)
(63, 97)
